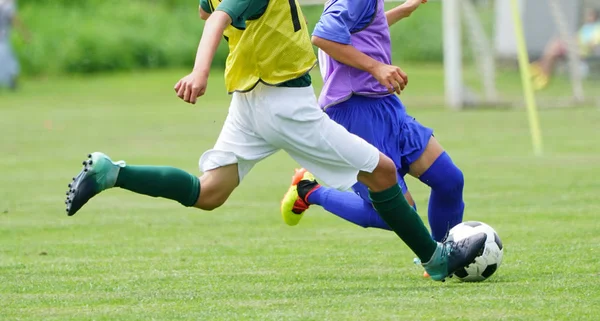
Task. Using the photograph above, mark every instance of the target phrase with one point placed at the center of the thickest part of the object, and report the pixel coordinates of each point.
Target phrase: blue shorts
(384, 123)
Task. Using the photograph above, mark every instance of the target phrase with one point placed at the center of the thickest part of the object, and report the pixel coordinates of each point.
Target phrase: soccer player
(588, 39)
(354, 40)
(9, 65)
(273, 107)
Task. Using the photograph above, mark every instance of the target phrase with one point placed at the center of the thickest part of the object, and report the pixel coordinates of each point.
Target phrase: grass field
(129, 257)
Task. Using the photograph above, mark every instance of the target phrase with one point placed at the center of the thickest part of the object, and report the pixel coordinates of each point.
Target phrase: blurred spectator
(9, 66)
(588, 38)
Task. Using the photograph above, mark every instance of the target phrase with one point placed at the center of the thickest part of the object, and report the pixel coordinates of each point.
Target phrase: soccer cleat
(451, 256)
(294, 202)
(99, 173)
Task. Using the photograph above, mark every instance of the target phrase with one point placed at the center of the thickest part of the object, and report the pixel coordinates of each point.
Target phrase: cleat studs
(84, 163)
(90, 162)
(70, 185)
(89, 155)
(85, 169)
(67, 194)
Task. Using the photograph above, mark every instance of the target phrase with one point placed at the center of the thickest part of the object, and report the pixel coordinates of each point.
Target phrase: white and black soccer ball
(486, 264)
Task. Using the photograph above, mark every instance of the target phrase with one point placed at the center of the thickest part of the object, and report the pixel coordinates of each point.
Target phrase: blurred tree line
(88, 36)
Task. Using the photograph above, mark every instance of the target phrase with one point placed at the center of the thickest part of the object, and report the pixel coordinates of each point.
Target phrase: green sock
(402, 218)
(160, 181)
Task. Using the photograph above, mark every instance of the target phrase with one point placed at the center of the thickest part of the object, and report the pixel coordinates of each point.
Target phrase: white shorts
(267, 119)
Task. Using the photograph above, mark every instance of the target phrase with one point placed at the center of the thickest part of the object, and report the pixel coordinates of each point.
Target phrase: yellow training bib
(273, 49)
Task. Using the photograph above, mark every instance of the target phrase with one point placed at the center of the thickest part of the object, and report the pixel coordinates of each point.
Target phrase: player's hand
(192, 86)
(415, 2)
(392, 77)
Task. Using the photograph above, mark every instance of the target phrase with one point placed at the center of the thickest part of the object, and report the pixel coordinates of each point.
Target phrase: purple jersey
(343, 21)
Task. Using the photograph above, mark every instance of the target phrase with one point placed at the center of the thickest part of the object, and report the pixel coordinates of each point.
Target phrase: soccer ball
(486, 264)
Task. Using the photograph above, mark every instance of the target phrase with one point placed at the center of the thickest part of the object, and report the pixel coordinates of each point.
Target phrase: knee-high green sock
(402, 218)
(160, 181)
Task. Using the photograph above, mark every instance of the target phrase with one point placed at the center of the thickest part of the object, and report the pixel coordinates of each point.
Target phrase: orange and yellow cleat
(294, 203)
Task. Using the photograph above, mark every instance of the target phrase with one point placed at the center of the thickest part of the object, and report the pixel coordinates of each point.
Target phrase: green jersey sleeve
(205, 6)
(242, 10)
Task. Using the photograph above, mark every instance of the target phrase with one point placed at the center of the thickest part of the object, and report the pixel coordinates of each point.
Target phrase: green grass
(129, 257)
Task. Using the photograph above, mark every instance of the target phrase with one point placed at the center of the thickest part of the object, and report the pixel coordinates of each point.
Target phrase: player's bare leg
(410, 200)
(100, 173)
(542, 69)
(217, 186)
(382, 178)
(433, 150)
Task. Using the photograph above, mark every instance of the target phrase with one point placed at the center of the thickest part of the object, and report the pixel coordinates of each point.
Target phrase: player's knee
(385, 173)
(383, 177)
(444, 176)
(452, 181)
(459, 179)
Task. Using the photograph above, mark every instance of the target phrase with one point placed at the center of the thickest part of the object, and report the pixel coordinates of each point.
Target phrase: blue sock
(446, 206)
(348, 206)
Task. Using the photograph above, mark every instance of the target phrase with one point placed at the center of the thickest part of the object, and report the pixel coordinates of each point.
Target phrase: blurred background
(59, 37)
(78, 76)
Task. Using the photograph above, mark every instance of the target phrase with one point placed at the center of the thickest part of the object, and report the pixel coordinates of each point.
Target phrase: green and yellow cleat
(450, 256)
(99, 173)
(294, 202)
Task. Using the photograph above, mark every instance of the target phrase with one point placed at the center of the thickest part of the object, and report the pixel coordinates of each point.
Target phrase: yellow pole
(534, 121)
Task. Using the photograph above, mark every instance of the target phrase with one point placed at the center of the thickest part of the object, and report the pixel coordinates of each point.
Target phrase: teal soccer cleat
(99, 173)
(451, 256)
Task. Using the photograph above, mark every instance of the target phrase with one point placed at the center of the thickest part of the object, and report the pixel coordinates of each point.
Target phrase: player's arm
(390, 76)
(346, 54)
(194, 85)
(332, 34)
(211, 36)
(229, 12)
(402, 11)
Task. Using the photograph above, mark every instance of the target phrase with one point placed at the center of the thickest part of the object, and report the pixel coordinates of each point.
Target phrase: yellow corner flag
(534, 121)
